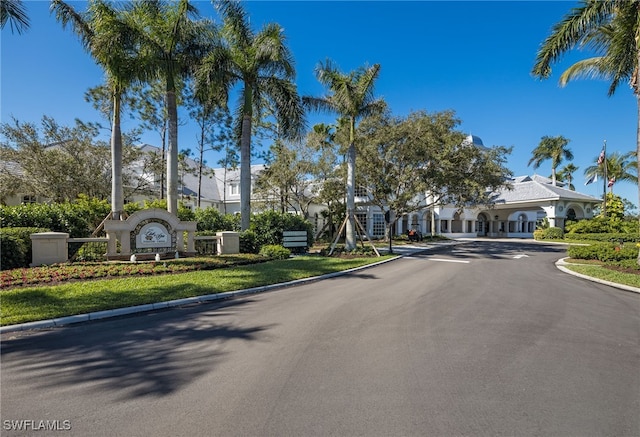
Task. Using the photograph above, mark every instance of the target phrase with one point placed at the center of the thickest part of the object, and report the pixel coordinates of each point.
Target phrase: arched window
(571, 214)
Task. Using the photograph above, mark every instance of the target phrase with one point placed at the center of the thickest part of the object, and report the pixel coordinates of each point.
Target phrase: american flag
(611, 182)
(601, 157)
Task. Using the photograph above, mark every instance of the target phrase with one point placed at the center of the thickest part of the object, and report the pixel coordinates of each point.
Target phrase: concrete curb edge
(98, 315)
(561, 263)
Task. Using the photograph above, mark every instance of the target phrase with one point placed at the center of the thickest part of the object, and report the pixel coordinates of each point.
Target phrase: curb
(98, 315)
(561, 263)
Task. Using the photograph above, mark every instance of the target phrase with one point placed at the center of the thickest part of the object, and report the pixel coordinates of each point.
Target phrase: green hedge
(605, 252)
(602, 225)
(603, 237)
(62, 217)
(552, 233)
(15, 247)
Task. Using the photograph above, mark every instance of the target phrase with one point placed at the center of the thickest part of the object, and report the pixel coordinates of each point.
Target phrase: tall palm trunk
(117, 196)
(172, 153)
(200, 170)
(245, 173)
(163, 159)
(350, 238)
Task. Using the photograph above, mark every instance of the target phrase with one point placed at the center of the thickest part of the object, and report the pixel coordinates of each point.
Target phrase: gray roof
(212, 185)
(538, 188)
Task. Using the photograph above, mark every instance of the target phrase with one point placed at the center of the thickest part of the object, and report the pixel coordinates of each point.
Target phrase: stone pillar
(191, 245)
(179, 241)
(49, 248)
(229, 243)
(112, 244)
(125, 242)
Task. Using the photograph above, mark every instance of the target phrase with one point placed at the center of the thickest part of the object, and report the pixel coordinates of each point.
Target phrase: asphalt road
(481, 339)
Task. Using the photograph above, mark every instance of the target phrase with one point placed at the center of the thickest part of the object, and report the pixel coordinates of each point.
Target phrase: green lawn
(601, 272)
(20, 305)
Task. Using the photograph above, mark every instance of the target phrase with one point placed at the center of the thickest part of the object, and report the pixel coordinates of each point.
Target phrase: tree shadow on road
(149, 355)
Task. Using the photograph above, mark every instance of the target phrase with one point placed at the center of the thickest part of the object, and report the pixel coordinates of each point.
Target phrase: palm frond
(272, 53)
(289, 110)
(236, 26)
(14, 13)
(574, 29)
(68, 16)
(587, 68)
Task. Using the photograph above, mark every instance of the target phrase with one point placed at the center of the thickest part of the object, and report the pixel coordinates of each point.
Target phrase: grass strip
(606, 274)
(30, 304)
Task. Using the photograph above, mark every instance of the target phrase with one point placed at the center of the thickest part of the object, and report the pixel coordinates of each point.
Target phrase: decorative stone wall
(149, 231)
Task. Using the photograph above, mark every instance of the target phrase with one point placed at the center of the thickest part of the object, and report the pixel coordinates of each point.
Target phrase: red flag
(611, 182)
(601, 157)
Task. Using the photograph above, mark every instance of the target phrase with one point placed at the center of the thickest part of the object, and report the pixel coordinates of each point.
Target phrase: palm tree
(611, 28)
(13, 11)
(171, 44)
(351, 98)
(553, 148)
(108, 40)
(566, 173)
(619, 167)
(262, 64)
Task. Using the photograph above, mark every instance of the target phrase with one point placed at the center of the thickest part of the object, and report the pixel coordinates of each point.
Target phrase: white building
(220, 188)
(514, 214)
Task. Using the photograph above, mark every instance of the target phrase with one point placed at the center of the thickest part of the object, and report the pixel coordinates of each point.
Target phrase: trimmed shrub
(604, 237)
(275, 251)
(601, 225)
(71, 218)
(249, 242)
(538, 234)
(605, 252)
(552, 233)
(15, 251)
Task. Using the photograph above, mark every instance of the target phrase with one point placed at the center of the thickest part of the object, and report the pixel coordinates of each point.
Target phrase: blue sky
(472, 57)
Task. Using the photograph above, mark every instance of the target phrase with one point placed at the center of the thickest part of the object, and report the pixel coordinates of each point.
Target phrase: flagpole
(604, 180)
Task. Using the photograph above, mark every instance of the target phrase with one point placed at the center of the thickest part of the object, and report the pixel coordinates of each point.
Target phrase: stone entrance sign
(149, 231)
